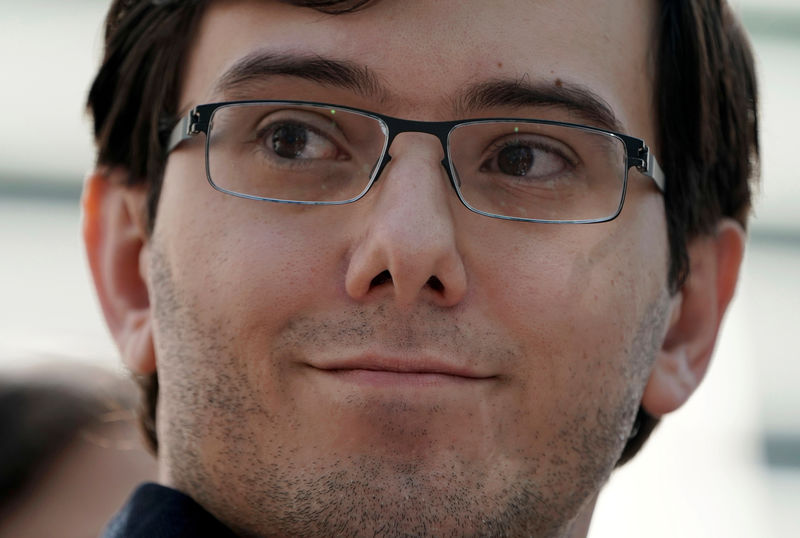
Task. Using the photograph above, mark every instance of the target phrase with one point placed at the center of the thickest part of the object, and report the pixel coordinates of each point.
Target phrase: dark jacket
(155, 511)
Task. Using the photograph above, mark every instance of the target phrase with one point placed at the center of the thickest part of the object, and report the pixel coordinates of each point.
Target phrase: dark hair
(705, 98)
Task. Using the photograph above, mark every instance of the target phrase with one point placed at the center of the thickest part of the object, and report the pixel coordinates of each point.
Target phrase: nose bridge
(402, 131)
(418, 146)
(409, 242)
(415, 172)
(415, 180)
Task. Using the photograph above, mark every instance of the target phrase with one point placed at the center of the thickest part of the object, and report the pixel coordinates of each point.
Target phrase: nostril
(435, 284)
(382, 278)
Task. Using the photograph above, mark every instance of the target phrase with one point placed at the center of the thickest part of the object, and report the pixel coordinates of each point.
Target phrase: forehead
(422, 52)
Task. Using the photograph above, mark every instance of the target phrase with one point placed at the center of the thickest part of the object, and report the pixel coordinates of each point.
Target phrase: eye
(515, 160)
(526, 158)
(296, 141)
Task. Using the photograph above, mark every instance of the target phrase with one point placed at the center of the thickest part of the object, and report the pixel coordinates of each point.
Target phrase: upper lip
(402, 365)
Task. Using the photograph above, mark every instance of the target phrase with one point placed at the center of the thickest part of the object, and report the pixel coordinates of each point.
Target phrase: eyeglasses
(299, 152)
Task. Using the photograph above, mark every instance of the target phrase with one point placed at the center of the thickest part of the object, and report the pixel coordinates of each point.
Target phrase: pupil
(289, 141)
(515, 160)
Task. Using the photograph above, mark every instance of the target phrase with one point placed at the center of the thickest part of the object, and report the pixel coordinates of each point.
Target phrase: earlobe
(115, 236)
(696, 314)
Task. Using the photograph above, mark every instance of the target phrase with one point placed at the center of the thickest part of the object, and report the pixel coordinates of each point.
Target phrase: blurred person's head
(70, 450)
(344, 322)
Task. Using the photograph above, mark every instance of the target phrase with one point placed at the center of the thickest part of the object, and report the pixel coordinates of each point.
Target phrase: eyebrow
(516, 93)
(520, 93)
(257, 66)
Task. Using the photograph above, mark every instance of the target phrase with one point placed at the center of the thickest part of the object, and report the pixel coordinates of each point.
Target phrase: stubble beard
(347, 495)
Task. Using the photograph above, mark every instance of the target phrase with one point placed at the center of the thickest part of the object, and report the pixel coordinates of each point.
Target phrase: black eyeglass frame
(637, 152)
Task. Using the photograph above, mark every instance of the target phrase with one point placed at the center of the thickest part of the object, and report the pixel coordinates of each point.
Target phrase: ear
(695, 318)
(115, 236)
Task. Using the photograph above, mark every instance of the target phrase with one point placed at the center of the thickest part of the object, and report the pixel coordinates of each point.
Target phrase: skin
(557, 332)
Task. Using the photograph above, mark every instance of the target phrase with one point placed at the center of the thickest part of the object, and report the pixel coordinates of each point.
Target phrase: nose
(407, 243)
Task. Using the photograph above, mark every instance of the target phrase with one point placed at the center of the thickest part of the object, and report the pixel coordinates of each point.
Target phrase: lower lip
(383, 378)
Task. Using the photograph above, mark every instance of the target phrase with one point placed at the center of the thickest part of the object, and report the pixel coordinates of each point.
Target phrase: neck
(580, 525)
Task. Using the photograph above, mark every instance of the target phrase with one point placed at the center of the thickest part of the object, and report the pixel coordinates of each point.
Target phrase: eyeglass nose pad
(381, 166)
(445, 162)
(454, 180)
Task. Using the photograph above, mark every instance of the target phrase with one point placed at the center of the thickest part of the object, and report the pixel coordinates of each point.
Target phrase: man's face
(490, 384)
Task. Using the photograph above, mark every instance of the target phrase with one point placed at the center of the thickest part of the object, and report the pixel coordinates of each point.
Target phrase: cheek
(242, 268)
(244, 259)
(237, 270)
(575, 303)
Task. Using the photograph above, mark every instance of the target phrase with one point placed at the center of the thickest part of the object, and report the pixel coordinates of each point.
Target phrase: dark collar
(155, 511)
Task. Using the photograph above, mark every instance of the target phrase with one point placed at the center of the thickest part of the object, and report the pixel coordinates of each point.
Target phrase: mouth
(387, 372)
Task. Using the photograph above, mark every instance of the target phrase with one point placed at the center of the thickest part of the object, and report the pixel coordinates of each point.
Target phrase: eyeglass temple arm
(186, 128)
(647, 165)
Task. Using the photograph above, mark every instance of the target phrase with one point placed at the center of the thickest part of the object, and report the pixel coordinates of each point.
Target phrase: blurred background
(727, 464)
